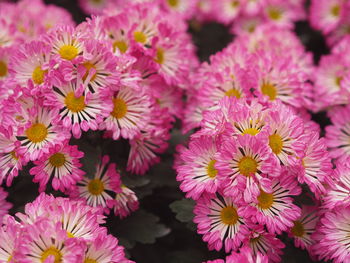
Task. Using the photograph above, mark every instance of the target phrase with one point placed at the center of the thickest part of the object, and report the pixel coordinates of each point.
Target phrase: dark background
(159, 188)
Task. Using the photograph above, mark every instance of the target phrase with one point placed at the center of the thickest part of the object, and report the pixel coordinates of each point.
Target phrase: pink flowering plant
(174, 131)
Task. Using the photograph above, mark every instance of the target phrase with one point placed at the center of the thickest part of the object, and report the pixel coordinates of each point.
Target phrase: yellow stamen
(265, 200)
(73, 103)
(120, 108)
(160, 56)
(335, 10)
(3, 69)
(96, 187)
(70, 235)
(274, 13)
(37, 132)
(51, 251)
(229, 215)
(121, 45)
(57, 159)
(298, 229)
(68, 52)
(251, 131)
(173, 3)
(89, 66)
(247, 166)
(233, 93)
(269, 90)
(38, 75)
(235, 4)
(211, 171)
(276, 143)
(90, 260)
(140, 37)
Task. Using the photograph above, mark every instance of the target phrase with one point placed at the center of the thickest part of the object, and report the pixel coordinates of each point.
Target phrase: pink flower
(62, 164)
(9, 236)
(244, 164)
(331, 236)
(125, 202)
(197, 172)
(275, 209)
(220, 221)
(246, 255)
(5, 206)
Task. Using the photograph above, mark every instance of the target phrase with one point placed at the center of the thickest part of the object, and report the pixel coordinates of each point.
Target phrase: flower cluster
(58, 230)
(122, 74)
(331, 17)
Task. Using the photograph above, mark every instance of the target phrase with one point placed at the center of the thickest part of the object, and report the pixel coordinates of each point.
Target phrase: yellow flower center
(335, 10)
(298, 229)
(96, 187)
(211, 171)
(73, 103)
(90, 260)
(140, 37)
(265, 200)
(96, 1)
(51, 251)
(276, 143)
(173, 3)
(89, 66)
(233, 93)
(251, 131)
(68, 52)
(38, 75)
(3, 69)
(14, 155)
(37, 132)
(274, 13)
(160, 56)
(269, 90)
(229, 215)
(247, 166)
(9, 259)
(121, 45)
(235, 3)
(120, 108)
(57, 159)
(338, 81)
(70, 235)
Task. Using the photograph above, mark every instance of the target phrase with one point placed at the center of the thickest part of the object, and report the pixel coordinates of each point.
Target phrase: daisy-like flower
(183, 8)
(9, 235)
(247, 255)
(325, 15)
(338, 194)
(285, 128)
(93, 7)
(229, 10)
(197, 172)
(220, 220)
(30, 63)
(332, 236)
(5, 206)
(39, 133)
(66, 42)
(45, 241)
(4, 63)
(304, 227)
(131, 112)
(105, 249)
(338, 134)
(10, 164)
(80, 110)
(125, 202)
(312, 165)
(62, 164)
(243, 164)
(100, 190)
(275, 209)
(264, 243)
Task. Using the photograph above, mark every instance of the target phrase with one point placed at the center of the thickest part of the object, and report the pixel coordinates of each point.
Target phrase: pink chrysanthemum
(46, 242)
(131, 113)
(5, 206)
(9, 236)
(246, 255)
(10, 164)
(275, 209)
(332, 236)
(80, 110)
(220, 220)
(312, 165)
(62, 164)
(338, 134)
(304, 227)
(125, 202)
(105, 249)
(100, 190)
(40, 133)
(228, 10)
(264, 243)
(197, 172)
(244, 164)
(339, 191)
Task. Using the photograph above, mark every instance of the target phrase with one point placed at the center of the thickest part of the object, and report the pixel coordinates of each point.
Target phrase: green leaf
(142, 227)
(186, 256)
(183, 209)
